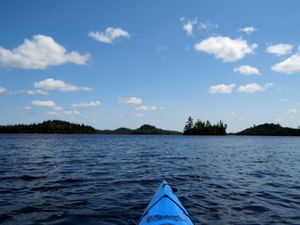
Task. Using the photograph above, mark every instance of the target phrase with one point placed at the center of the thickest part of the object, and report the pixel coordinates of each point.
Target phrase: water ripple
(103, 179)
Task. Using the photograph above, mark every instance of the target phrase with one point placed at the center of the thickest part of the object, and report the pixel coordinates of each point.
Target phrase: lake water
(104, 179)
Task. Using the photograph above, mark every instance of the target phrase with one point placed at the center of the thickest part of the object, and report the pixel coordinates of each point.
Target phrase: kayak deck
(165, 208)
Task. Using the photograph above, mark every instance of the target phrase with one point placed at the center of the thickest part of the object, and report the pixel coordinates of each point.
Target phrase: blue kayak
(165, 208)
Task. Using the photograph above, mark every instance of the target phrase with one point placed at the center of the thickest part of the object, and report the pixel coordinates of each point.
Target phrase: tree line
(50, 127)
(204, 128)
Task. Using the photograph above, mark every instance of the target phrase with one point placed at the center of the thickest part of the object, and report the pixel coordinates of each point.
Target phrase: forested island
(191, 128)
(144, 129)
(270, 129)
(204, 128)
(63, 127)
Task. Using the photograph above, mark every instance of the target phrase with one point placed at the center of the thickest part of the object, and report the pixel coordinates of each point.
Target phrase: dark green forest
(63, 127)
(49, 127)
(204, 128)
(270, 129)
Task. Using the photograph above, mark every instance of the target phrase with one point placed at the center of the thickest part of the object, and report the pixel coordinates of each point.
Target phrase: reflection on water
(94, 179)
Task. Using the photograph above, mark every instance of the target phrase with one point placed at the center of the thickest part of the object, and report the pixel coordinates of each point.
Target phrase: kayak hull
(165, 208)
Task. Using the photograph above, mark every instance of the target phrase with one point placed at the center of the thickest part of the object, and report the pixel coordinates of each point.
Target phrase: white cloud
(283, 100)
(188, 25)
(254, 87)
(109, 35)
(60, 85)
(207, 26)
(288, 66)
(247, 70)
(130, 101)
(39, 53)
(280, 49)
(2, 90)
(35, 92)
(138, 114)
(48, 103)
(225, 48)
(86, 104)
(292, 111)
(221, 89)
(248, 30)
(145, 108)
(64, 112)
(27, 107)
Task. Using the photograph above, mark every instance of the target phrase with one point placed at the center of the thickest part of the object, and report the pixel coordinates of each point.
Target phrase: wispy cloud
(2, 90)
(145, 108)
(64, 113)
(247, 70)
(221, 89)
(48, 103)
(207, 26)
(292, 111)
(254, 87)
(52, 84)
(225, 48)
(188, 25)
(248, 30)
(36, 92)
(87, 104)
(39, 53)
(280, 49)
(192, 25)
(130, 100)
(283, 100)
(110, 35)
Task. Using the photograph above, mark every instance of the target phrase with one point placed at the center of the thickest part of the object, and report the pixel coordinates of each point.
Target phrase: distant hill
(63, 127)
(50, 127)
(270, 129)
(144, 129)
(148, 129)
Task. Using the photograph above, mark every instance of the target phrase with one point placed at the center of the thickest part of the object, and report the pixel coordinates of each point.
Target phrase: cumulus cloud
(280, 49)
(254, 87)
(48, 103)
(130, 101)
(292, 111)
(247, 70)
(57, 110)
(109, 35)
(288, 66)
(86, 104)
(36, 92)
(39, 53)
(225, 48)
(248, 30)
(2, 90)
(52, 84)
(221, 89)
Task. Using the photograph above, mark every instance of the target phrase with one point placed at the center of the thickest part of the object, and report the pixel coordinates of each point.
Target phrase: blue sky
(117, 63)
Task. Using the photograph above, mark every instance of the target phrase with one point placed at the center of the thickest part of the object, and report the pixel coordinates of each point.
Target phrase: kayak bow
(165, 208)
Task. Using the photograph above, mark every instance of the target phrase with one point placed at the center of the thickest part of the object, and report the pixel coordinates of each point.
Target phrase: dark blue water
(94, 179)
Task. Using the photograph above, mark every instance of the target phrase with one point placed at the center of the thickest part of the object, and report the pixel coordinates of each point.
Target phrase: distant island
(191, 128)
(270, 129)
(144, 129)
(64, 127)
(204, 128)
